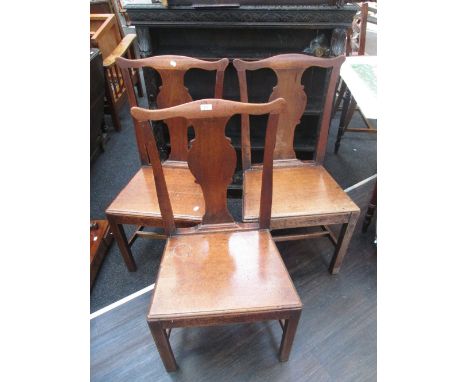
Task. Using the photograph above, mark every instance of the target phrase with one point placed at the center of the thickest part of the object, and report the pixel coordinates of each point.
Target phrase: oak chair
(355, 46)
(304, 193)
(219, 272)
(106, 36)
(137, 203)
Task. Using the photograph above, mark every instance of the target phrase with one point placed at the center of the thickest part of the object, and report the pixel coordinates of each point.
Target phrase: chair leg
(289, 331)
(163, 345)
(370, 210)
(349, 105)
(339, 97)
(341, 248)
(122, 242)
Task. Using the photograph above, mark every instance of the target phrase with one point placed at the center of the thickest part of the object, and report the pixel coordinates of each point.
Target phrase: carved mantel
(308, 16)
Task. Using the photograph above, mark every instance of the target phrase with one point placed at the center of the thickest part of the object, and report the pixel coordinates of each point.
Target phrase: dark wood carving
(266, 15)
(250, 2)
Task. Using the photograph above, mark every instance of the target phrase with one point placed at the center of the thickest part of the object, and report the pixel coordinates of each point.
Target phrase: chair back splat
(289, 69)
(172, 92)
(211, 157)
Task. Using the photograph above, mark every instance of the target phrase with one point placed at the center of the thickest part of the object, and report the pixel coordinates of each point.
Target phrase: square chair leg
(341, 248)
(122, 242)
(164, 347)
(289, 331)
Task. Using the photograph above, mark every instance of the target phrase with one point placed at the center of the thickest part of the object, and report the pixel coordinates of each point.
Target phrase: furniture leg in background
(370, 210)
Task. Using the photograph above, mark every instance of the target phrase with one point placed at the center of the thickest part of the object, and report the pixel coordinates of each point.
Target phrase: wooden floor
(336, 339)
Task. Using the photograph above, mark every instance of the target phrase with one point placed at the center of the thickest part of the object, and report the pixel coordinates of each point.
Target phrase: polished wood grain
(336, 339)
(172, 70)
(221, 272)
(304, 194)
(289, 69)
(138, 204)
(211, 156)
(139, 197)
(297, 192)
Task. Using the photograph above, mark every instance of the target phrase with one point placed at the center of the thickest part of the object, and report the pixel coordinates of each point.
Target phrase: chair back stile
(211, 157)
(289, 69)
(172, 92)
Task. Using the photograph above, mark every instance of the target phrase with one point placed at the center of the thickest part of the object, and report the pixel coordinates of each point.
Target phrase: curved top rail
(170, 62)
(209, 108)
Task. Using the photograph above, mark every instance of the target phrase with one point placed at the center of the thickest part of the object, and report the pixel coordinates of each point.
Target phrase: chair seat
(221, 273)
(297, 191)
(139, 196)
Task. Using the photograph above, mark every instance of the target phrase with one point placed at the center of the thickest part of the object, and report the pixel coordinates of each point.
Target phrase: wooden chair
(220, 272)
(106, 36)
(137, 203)
(304, 193)
(355, 46)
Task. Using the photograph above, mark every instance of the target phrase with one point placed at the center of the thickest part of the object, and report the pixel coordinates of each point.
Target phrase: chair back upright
(172, 92)
(211, 157)
(289, 69)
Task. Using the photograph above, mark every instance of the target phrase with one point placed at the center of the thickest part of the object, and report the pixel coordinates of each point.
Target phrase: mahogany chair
(220, 272)
(355, 46)
(304, 193)
(106, 36)
(137, 203)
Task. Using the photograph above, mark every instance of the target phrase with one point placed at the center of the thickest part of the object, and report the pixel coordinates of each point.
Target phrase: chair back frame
(211, 157)
(289, 69)
(172, 92)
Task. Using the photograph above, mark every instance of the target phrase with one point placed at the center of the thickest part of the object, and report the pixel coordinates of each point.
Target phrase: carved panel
(249, 15)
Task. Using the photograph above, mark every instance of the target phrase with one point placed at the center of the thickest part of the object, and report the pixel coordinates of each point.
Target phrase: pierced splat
(173, 92)
(289, 69)
(212, 160)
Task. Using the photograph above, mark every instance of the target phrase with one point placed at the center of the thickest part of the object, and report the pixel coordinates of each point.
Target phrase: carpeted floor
(114, 168)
